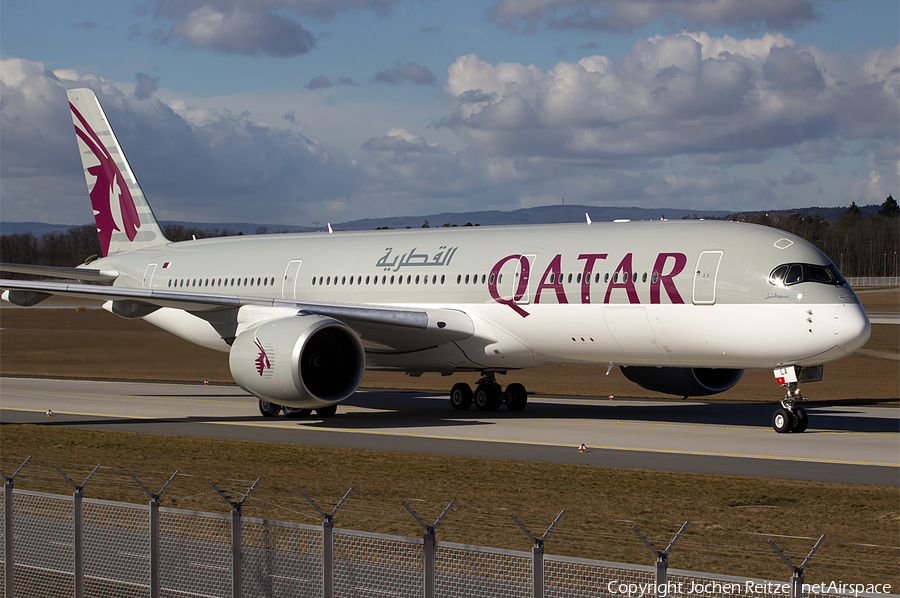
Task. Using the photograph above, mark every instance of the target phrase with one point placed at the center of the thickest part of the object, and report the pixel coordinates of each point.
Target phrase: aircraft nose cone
(851, 327)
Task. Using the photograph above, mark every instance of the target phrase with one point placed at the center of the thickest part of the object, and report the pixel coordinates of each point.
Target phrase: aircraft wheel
(268, 409)
(487, 397)
(517, 397)
(294, 412)
(461, 396)
(327, 411)
(782, 420)
(801, 420)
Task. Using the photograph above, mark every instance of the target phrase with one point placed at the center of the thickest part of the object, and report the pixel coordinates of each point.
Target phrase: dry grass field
(601, 503)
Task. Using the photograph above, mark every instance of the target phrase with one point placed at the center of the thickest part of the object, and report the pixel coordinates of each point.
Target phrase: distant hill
(537, 215)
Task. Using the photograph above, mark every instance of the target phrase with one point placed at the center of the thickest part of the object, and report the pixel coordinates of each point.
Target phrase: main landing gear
(271, 410)
(488, 395)
(789, 417)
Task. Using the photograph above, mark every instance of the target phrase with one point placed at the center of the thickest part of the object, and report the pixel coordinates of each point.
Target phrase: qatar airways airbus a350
(682, 307)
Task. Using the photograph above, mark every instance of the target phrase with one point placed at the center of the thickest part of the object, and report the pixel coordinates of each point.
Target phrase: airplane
(682, 307)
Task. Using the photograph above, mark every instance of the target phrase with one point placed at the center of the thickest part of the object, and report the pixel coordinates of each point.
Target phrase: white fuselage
(675, 294)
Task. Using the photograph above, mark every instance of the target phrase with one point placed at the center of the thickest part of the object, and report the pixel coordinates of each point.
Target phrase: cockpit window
(790, 274)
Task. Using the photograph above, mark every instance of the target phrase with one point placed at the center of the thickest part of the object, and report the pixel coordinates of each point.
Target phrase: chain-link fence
(58, 545)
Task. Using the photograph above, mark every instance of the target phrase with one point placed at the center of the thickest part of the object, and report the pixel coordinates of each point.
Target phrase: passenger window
(442, 279)
(467, 279)
(408, 279)
(570, 277)
(655, 278)
(644, 277)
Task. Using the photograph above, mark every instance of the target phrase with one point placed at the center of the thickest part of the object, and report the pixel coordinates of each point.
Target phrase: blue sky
(298, 111)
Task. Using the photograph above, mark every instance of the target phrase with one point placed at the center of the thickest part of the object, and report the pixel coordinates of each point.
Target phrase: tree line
(859, 246)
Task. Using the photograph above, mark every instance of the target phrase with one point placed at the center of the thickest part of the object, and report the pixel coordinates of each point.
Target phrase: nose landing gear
(488, 395)
(789, 417)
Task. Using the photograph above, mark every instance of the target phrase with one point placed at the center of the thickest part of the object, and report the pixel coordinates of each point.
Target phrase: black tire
(782, 420)
(487, 397)
(327, 411)
(517, 397)
(801, 420)
(294, 412)
(269, 409)
(461, 396)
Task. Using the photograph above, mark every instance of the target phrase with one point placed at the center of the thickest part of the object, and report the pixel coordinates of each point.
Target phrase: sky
(309, 111)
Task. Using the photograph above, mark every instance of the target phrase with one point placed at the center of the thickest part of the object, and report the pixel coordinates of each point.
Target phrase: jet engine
(305, 361)
(686, 382)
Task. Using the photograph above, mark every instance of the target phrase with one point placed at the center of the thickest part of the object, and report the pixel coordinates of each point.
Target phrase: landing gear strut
(488, 395)
(789, 417)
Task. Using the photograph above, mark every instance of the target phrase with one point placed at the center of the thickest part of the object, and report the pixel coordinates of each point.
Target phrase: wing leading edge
(432, 326)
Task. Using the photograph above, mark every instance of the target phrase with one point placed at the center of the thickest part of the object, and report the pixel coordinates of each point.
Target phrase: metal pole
(797, 572)
(661, 590)
(328, 558)
(537, 555)
(327, 543)
(154, 549)
(9, 527)
(429, 544)
(79, 543)
(154, 533)
(236, 537)
(236, 555)
(79, 529)
(537, 569)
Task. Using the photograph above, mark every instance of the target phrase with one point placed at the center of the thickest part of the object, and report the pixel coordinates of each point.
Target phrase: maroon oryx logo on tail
(262, 361)
(109, 184)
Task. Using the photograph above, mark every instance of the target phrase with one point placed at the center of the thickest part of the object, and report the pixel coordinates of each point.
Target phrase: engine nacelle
(305, 361)
(685, 382)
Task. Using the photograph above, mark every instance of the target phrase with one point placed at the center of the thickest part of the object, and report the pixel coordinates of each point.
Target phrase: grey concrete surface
(845, 442)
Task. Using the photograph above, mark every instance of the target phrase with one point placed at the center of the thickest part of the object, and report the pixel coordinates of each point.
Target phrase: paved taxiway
(845, 443)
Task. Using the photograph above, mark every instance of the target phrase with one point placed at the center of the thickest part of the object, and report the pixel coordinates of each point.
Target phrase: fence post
(9, 560)
(327, 543)
(797, 572)
(79, 529)
(662, 561)
(154, 533)
(537, 555)
(429, 542)
(236, 538)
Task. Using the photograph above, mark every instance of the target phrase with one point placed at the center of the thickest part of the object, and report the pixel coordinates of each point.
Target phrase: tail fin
(124, 219)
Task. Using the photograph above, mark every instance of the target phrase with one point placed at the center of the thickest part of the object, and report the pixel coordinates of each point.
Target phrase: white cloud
(193, 164)
(675, 94)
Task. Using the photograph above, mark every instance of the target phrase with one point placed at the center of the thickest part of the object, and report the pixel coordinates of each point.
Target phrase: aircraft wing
(389, 327)
(85, 274)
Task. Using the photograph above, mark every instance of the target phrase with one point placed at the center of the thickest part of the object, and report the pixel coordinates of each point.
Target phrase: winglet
(588, 218)
(330, 229)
